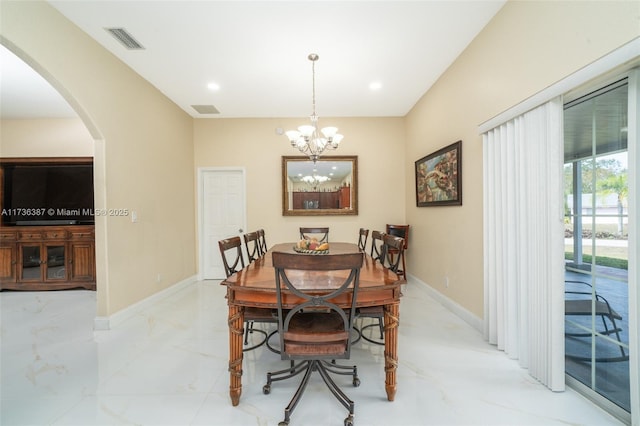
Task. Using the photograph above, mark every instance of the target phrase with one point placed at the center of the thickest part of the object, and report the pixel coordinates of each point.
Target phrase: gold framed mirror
(327, 188)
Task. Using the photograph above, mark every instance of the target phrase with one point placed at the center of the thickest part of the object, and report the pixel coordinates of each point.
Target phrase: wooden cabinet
(315, 200)
(8, 257)
(345, 197)
(82, 264)
(47, 257)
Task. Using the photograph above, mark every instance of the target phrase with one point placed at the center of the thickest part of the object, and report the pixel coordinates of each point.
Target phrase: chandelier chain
(313, 82)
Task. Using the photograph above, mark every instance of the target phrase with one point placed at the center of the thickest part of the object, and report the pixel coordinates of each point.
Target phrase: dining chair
(315, 331)
(378, 254)
(392, 262)
(394, 249)
(231, 252)
(377, 246)
(321, 234)
(363, 235)
(262, 241)
(233, 261)
(401, 231)
(252, 244)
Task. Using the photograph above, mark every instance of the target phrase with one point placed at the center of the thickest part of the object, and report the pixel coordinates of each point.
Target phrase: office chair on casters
(363, 235)
(401, 231)
(315, 332)
(233, 261)
(321, 234)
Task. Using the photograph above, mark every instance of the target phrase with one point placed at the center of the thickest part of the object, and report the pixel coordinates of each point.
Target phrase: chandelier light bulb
(335, 141)
(293, 136)
(329, 132)
(306, 131)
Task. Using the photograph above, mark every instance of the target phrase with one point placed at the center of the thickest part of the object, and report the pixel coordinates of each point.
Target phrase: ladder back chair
(321, 234)
(252, 244)
(363, 235)
(315, 332)
(233, 261)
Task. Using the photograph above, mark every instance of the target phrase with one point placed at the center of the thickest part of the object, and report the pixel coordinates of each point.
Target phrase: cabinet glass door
(31, 262)
(56, 269)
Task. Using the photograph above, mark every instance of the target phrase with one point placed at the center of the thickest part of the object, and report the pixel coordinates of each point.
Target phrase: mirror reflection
(326, 187)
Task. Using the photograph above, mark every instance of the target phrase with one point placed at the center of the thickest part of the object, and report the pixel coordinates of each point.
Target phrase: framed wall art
(439, 177)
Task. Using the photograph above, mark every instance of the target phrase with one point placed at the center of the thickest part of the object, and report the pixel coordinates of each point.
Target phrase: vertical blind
(524, 241)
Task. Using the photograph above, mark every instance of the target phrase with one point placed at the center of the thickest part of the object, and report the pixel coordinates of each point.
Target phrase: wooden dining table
(254, 286)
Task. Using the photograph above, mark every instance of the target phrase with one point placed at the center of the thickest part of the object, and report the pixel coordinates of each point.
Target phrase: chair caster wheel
(348, 421)
(283, 423)
(266, 389)
(356, 382)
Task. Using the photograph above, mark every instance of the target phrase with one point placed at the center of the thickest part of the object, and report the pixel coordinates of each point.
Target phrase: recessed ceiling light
(213, 86)
(376, 85)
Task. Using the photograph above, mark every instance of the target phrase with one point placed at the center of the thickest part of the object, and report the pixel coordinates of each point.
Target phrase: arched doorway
(39, 122)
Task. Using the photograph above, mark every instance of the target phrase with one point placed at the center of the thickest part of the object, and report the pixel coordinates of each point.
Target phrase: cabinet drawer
(30, 236)
(7, 236)
(58, 234)
(81, 235)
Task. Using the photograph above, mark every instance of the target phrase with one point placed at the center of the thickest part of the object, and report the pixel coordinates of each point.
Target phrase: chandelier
(307, 139)
(315, 180)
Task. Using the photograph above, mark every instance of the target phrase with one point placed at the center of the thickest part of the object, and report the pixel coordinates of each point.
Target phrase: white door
(222, 215)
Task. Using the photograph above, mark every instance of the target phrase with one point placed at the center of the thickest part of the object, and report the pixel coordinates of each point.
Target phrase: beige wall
(147, 146)
(525, 48)
(51, 137)
(143, 154)
(254, 145)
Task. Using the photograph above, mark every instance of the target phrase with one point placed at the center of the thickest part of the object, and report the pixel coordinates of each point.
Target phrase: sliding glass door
(596, 242)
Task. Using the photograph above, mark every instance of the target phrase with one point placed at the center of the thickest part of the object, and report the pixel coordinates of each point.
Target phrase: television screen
(47, 194)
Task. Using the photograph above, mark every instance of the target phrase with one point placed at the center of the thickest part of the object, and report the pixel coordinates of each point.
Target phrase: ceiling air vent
(205, 109)
(125, 38)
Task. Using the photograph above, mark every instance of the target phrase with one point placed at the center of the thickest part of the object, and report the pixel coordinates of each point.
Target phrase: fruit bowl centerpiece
(311, 246)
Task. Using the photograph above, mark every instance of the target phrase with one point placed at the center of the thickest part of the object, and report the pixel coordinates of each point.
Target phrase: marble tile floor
(167, 365)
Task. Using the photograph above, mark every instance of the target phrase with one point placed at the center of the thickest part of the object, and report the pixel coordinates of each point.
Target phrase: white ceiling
(256, 51)
(25, 94)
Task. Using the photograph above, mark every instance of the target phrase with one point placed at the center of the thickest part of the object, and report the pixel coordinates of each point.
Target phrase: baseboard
(106, 323)
(467, 316)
